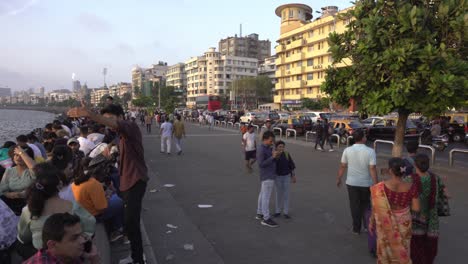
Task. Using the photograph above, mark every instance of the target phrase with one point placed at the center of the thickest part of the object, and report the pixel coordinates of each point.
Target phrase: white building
(213, 73)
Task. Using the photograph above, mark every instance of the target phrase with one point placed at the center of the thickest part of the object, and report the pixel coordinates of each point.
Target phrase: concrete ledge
(102, 243)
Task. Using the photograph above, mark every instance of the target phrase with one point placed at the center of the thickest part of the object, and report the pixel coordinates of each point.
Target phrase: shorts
(250, 155)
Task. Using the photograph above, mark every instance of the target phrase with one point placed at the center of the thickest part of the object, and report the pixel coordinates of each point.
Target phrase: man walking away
(318, 136)
(266, 157)
(133, 170)
(179, 132)
(250, 148)
(327, 132)
(266, 128)
(148, 121)
(166, 136)
(360, 162)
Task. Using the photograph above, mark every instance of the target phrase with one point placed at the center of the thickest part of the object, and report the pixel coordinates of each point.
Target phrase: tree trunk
(400, 134)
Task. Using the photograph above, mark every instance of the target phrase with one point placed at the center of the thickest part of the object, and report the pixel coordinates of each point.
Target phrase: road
(211, 172)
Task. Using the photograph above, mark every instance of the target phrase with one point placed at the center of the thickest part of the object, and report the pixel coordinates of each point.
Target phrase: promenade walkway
(211, 172)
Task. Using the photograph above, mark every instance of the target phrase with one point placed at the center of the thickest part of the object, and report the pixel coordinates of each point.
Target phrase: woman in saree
(425, 238)
(392, 202)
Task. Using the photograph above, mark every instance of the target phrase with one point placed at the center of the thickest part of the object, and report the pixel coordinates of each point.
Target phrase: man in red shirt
(63, 242)
(132, 165)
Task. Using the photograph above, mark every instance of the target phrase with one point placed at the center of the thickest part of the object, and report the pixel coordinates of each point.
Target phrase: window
(288, 79)
(228, 76)
(299, 77)
(298, 91)
(286, 92)
(310, 62)
(220, 84)
(252, 71)
(330, 58)
(311, 33)
(310, 76)
(331, 28)
(291, 13)
(288, 66)
(310, 48)
(309, 90)
(321, 60)
(299, 64)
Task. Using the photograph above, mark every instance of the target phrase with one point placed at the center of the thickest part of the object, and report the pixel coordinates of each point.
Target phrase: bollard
(337, 139)
(348, 139)
(257, 127)
(382, 141)
(291, 130)
(230, 123)
(432, 152)
(280, 131)
(451, 154)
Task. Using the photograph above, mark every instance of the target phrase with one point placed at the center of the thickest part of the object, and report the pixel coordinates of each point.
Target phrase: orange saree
(393, 229)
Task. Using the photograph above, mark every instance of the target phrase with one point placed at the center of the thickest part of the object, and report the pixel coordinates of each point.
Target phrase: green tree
(253, 90)
(143, 101)
(126, 97)
(137, 91)
(407, 56)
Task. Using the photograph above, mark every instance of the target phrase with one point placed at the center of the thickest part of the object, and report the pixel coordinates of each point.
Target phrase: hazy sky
(44, 41)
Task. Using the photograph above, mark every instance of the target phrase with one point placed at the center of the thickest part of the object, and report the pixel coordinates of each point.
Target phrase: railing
(291, 130)
(348, 139)
(217, 122)
(451, 154)
(308, 133)
(280, 131)
(432, 149)
(337, 139)
(382, 141)
(230, 123)
(237, 124)
(223, 123)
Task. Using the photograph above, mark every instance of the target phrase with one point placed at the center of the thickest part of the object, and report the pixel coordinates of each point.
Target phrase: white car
(284, 116)
(317, 115)
(247, 117)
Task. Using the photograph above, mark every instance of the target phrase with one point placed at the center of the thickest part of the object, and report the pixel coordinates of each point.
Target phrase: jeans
(178, 143)
(282, 193)
(326, 139)
(166, 140)
(148, 128)
(359, 202)
(264, 198)
(114, 213)
(318, 141)
(133, 199)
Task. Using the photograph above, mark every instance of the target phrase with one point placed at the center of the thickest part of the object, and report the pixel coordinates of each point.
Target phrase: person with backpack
(285, 175)
(328, 130)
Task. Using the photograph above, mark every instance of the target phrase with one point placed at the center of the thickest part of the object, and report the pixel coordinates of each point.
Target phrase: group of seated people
(74, 179)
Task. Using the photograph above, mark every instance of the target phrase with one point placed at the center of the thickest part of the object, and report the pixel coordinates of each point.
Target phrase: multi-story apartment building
(97, 94)
(302, 52)
(213, 74)
(267, 67)
(59, 95)
(143, 78)
(249, 46)
(176, 77)
(120, 89)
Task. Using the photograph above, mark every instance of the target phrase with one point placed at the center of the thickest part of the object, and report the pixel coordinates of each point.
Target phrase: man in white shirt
(250, 147)
(166, 136)
(360, 162)
(86, 145)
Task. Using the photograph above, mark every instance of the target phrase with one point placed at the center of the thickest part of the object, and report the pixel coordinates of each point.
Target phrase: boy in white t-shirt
(250, 147)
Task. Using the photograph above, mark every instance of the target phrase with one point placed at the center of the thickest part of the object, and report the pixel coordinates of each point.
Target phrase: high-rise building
(302, 52)
(41, 91)
(144, 78)
(177, 78)
(76, 86)
(249, 46)
(213, 74)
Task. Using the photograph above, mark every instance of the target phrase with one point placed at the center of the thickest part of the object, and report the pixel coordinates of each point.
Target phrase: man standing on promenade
(266, 128)
(133, 170)
(266, 157)
(166, 136)
(360, 161)
(179, 132)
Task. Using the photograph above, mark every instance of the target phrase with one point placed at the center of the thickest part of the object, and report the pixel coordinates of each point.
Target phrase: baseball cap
(72, 140)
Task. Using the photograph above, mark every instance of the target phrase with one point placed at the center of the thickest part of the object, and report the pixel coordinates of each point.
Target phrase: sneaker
(125, 241)
(277, 215)
(331, 150)
(286, 216)
(116, 235)
(319, 148)
(259, 217)
(269, 223)
(356, 233)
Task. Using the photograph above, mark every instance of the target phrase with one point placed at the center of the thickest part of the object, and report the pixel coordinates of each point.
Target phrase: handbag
(443, 207)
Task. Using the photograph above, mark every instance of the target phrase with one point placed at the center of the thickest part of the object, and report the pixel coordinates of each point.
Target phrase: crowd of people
(57, 185)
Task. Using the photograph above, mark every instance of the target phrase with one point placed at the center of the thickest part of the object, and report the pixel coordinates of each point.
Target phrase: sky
(43, 42)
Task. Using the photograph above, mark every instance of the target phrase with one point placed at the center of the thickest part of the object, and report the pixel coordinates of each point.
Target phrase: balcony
(294, 57)
(278, 98)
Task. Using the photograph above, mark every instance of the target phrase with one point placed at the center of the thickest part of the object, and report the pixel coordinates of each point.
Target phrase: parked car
(317, 115)
(292, 123)
(371, 121)
(306, 121)
(247, 117)
(284, 116)
(345, 127)
(455, 131)
(273, 116)
(386, 127)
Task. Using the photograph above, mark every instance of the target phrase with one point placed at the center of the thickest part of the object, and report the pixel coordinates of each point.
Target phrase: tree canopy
(406, 56)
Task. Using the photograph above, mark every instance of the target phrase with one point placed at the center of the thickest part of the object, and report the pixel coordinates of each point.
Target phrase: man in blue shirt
(360, 161)
(266, 158)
